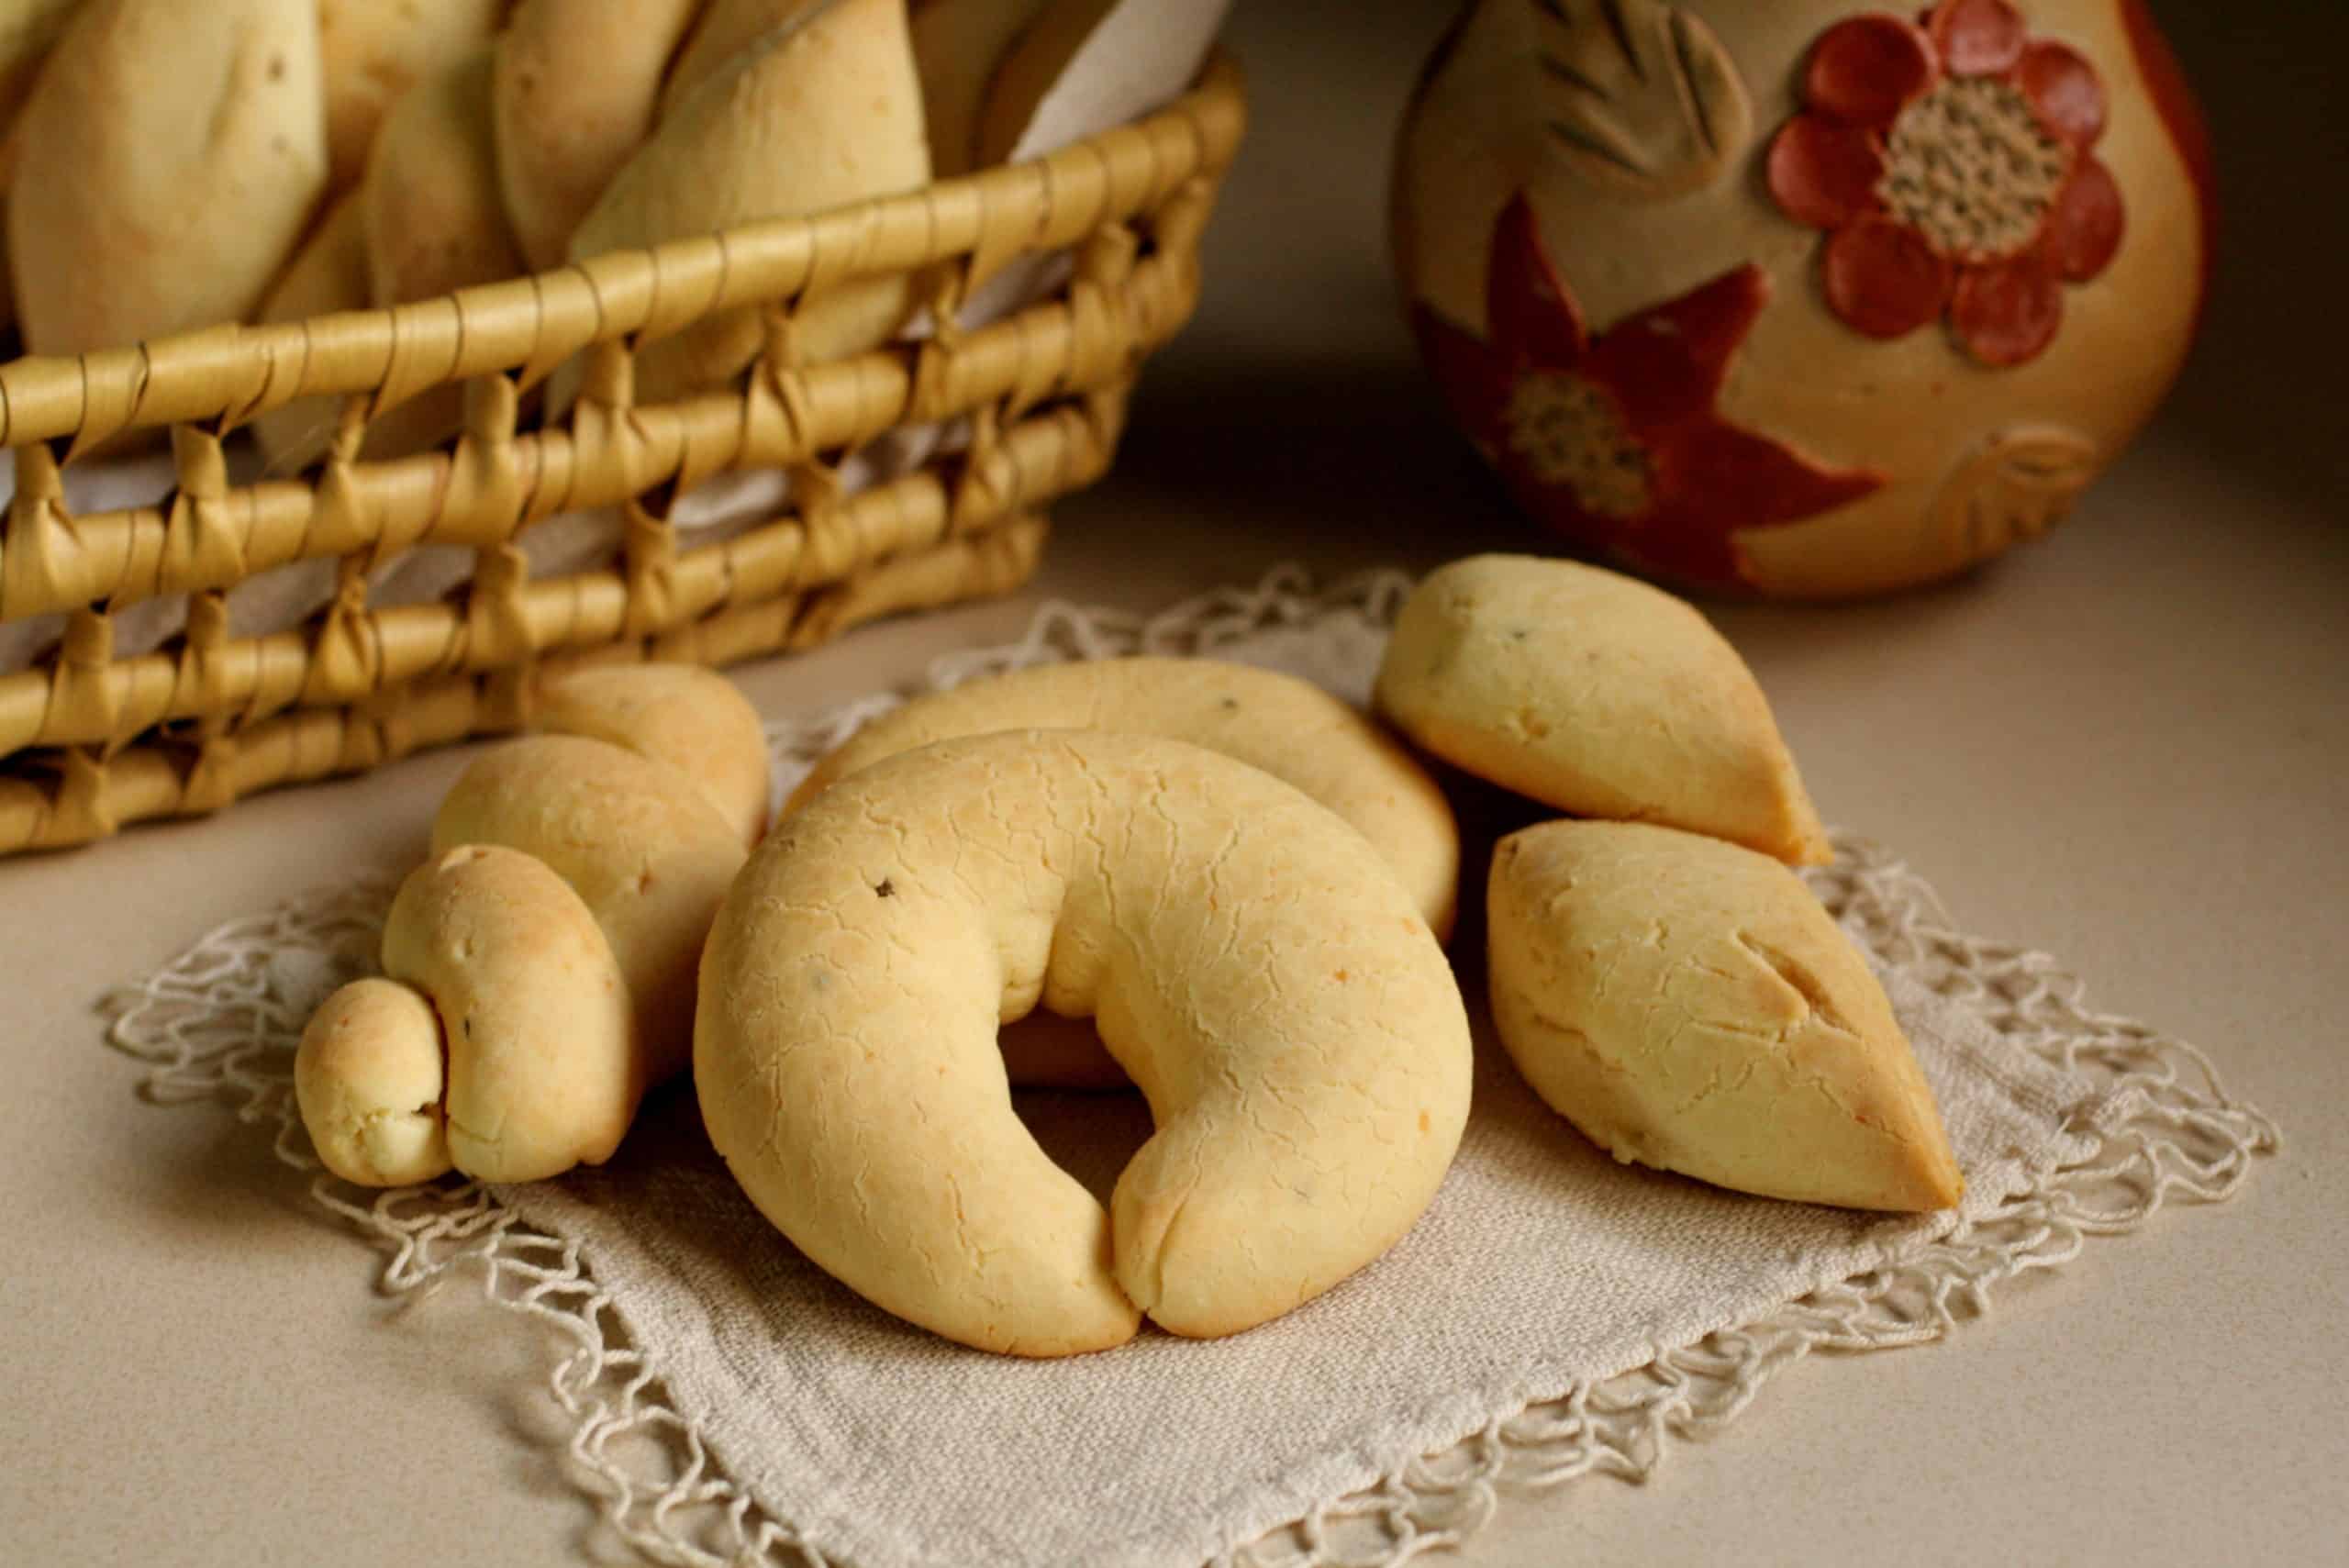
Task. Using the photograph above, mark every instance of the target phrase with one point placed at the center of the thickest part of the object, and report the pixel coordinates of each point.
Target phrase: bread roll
(27, 29)
(1689, 1005)
(171, 158)
(724, 29)
(329, 273)
(373, 50)
(434, 221)
(814, 117)
(1037, 60)
(957, 46)
(576, 84)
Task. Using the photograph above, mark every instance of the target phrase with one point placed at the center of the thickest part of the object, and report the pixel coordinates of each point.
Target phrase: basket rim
(49, 398)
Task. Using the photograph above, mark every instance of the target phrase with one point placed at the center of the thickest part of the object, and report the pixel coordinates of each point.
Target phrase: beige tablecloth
(2125, 746)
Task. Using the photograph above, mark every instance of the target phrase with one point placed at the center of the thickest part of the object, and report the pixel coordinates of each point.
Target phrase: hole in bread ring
(1197, 910)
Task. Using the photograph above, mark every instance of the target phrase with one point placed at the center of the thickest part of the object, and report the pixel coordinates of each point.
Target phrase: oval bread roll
(646, 853)
(169, 159)
(1689, 1004)
(1247, 956)
(1030, 68)
(813, 116)
(1597, 694)
(576, 83)
(373, 50)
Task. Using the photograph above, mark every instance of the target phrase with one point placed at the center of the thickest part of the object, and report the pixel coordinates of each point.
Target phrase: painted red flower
(1614, 440)
(1950, 160)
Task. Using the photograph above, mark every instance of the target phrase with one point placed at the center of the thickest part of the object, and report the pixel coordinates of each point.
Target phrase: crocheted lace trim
(220, 1025)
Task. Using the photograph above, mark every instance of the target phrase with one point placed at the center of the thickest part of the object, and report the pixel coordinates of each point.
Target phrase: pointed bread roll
(1028, 69)
(434, 222)
(29, 29)
(813, 116)
(724, 29)
(958, 44)
(1597, 694)
(1689, 1004)
(169, 159)
(328, 274)
(374, 51)
(576, 84)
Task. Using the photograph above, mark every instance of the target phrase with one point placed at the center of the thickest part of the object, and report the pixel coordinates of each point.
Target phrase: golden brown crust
(1246, 956)
(692, 718)
(1597, 694)
(810, 118)
(649, 857)
(576, 82)
(171, 157)
(1689, 1004)
(1289, 728)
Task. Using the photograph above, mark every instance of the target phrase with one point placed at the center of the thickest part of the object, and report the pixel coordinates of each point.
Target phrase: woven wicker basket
(90, 741)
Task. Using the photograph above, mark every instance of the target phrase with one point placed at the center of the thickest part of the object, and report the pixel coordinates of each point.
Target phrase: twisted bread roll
(812, 116)
(556, 932)
(373, 50)
(647, 853)
(696, 722)
(522, 1064)
(169, 159)
(1248, 957)
(576, 83)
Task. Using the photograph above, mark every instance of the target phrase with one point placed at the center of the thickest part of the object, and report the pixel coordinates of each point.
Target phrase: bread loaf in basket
(897, 468)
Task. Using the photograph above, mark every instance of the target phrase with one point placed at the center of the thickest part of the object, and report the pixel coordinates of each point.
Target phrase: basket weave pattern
(90, 741)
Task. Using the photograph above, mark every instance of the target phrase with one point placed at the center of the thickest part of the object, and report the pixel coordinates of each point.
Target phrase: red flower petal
(1824, 174)
(2065, 90)
(1715, 479)
(1976, 37)
(2007, 313)
(1533, 320)
(1665, 364)
(1883, 279)
(1471, 376)
(2084, 227)
(1864, 67)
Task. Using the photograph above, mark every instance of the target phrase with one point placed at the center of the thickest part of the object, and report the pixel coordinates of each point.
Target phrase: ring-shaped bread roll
(1247, 956)
(1289, 728)
(486, 946)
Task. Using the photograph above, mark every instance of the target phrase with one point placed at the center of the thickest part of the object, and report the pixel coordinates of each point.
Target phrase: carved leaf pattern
(2014, 486)
(1638, 95)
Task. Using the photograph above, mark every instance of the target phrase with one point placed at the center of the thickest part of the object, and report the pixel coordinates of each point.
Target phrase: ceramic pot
(1805, 298)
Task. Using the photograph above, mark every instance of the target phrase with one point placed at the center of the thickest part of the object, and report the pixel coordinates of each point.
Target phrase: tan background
(2126, 745)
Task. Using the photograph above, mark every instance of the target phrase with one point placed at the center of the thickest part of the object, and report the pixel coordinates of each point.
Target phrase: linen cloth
(1554, 1313)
